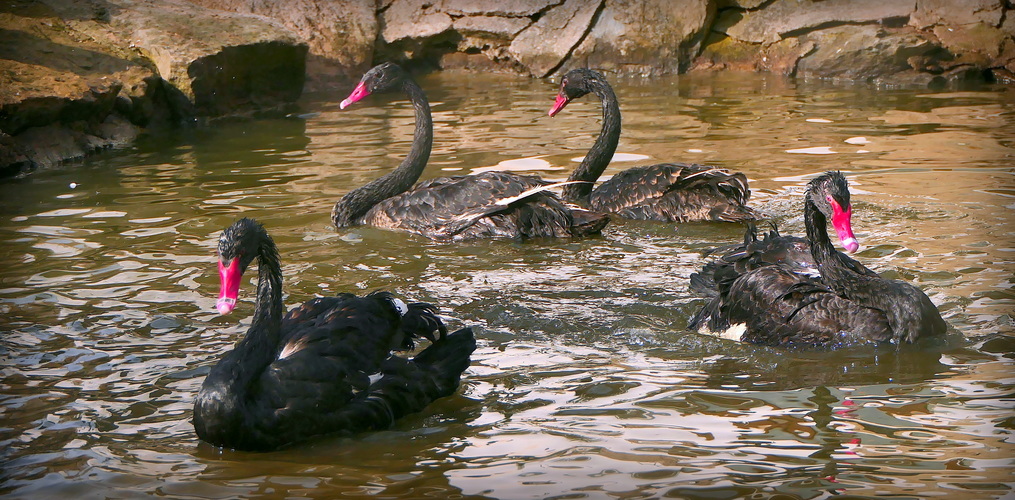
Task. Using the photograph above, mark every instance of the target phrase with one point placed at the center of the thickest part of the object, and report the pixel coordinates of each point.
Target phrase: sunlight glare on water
(585, 383)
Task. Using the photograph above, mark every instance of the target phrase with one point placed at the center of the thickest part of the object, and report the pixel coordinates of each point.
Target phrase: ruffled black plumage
(673, 192)
(326, 367)
(763, 291)
(432, 207)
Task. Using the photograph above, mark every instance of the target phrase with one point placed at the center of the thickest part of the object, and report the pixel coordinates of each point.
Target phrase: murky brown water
(584, 384)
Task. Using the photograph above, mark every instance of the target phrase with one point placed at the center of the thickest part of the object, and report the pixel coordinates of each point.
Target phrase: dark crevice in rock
(796, 64)
(584, 35)
(542, 12)
(243, 78)
(797, 33)
(697, 42)
(895, 22)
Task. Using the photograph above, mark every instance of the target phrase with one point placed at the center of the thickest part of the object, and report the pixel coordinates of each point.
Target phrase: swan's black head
(380, 78)
(829, 192)
(238, 246)
(576, 83)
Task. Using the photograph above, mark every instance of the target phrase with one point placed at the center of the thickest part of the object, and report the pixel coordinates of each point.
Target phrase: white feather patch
(529, 192)
(400, 305)
(375, 377)
(292, 348)
(734, 332)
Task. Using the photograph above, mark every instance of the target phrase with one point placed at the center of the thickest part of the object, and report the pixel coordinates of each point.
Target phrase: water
(584, 384)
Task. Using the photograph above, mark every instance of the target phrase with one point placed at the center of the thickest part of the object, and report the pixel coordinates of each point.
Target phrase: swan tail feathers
(421, 321)
(446, 359)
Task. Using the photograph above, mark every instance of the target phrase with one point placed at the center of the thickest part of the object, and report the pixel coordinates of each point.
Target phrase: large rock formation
(905, 42)
(77, 76)
(896, 42)
(339, 34)
(81, 75)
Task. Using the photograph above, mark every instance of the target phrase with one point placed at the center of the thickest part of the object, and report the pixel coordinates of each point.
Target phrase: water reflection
(585, 384)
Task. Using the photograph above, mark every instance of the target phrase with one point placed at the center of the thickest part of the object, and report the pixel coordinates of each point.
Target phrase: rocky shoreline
(81, 76)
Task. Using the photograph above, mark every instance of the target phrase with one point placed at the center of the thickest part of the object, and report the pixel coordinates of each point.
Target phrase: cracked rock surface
(81, 75)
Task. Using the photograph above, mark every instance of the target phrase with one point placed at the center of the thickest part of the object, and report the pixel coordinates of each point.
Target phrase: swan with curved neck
(673, 192)
(326, 367)
(778, 303)
(489, 204)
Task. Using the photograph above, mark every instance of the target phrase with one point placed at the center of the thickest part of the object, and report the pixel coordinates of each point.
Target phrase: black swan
(775, 303)
(671, 192)
(435, 208)
(326, 367)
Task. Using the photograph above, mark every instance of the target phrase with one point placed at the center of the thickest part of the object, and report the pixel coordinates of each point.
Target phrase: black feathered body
(774, 305)
(333, 372)
(434, 208)
(669, 192)
(735, 260)
(765, 292)
(431, 205)
(674, 192)
(325, 367)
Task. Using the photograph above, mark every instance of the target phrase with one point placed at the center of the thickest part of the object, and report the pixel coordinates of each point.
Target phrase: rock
(771, 23)
(78, 76)
(930, 13)
(647, 37)
(864, 53)
(491, 27)
(739, 4)
(497, 8)
(222, 62)
(340, 35)
(412, 19)
(724, 53)
(975, 40)
(545, 44)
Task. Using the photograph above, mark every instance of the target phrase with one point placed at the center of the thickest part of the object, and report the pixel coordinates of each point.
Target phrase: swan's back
(775, 305)
(735, 260)
(675, 192)
(433, 203)
(333, 373)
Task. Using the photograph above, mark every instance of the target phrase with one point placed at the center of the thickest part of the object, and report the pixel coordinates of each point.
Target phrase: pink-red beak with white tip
(559, 103)
(357, 93)
(841, 222)
(229, 282)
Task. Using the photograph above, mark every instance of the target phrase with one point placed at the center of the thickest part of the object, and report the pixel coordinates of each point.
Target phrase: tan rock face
(771, 23)
(77, 76)
(930, 13)
(339, 34)
(90, 66)
(545, 44)
(645, 37)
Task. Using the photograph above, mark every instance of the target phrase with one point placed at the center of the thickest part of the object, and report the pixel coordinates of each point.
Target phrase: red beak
(559, 104)
(843, 227)
(229, 282)
(357, 93)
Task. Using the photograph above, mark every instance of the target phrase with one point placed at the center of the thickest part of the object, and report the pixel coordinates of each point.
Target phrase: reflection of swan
(673, 192)
(777, 304)
(326, 366)
(433, 208)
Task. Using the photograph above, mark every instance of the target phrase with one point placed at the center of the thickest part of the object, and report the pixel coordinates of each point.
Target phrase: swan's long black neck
(816, 224)
(229, 381)
(835, 267)
(355, 204)
(601, 153)
(268, 309)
